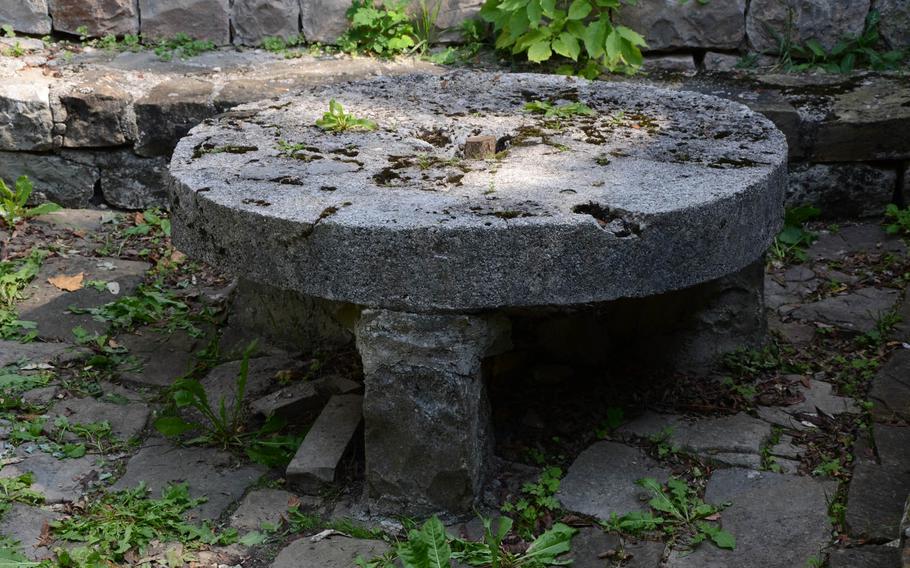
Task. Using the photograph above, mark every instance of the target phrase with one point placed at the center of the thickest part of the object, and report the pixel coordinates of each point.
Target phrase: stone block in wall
(323, 20)
(895, 22)
(671, 24)
(453, 12)
(255, 20)
(67, 182)
(683, 63)
(98, 114)
(126, 181)
(99, 17)
(824, 20)
(844, 190)
(26, 16)
(26, 121)
(167, 112)
(720, 62)
(199, 19)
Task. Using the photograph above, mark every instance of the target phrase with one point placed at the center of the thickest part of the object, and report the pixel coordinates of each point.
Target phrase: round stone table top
(648, 191)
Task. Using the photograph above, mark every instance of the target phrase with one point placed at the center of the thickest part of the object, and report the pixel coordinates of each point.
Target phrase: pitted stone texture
(868, 556)
(879, 488)
(255, 20)
(66, 182)
(26, 122)
(842, 190)
(262, 506)
(99, 17)
(132, 182)
(734, 440)
(670, 24)
(26, 16)
(12, 352)
(25, 525)
(822, 20)
(59, 480)
(778, 520)
(602, 479)
(895, 22)
(334, 552)
(424, 385)
(600, 231)
(98, 114)
(199, 19)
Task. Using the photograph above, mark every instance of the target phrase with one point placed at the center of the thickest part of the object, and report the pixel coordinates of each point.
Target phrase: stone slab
(13, 352)
(869, 556)
(591, 545)
(879, 488)
(25, 524)
(855, 239)
(49, 306)
(332, 552)
(208, 472)
(59, 480)
(160, 357)
(602, 479)
(777, 520)
(296, 400)
(820, 396)
(890, 394)
(127, 420)
(857, 311)
(261, 506)
(600, 222)
(802, 20)
(317, 460)
(736, 439)
(221, 382)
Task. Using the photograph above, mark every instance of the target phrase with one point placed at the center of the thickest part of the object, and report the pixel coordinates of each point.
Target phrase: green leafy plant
(336, 120)
(181, 46)
(225, 425)
(14, 277)
(427, 547)
(425, 31)
(538, 500)
(384, 30)
(14, 209)
(117, 523)
(151, 304)
(18, 489)
(851, 52)
(678, 511)
(794, 238)
(581, 31)
(568, 110)
(897, 220)
(543, 551)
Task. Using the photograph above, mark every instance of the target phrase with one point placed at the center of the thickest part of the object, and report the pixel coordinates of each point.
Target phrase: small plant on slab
(897, 220)
(336, 120)
(18, 489)
(182, 46)
(14, 277)
(538, 502)
(384, 30)
(794, 238)
(568, 110)
(678, 511)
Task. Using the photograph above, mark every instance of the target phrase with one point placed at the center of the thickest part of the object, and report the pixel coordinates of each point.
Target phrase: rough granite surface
(657, 191)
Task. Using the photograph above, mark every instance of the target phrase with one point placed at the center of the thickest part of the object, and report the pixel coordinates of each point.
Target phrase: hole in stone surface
(616, 221)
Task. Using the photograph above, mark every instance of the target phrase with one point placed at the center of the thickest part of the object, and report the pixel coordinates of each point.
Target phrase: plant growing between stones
(182, 46)
(336, 120)
(568, 110)
(537, 503)
(794, 238)
(116, 523)
(14, 277)
(897, 220)
(676, 510)
(14, 209)
(18, 489)
(581, 31)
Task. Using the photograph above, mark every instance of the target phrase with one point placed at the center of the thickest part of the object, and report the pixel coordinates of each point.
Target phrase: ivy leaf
(539, 51)
(579, 9)
(567, 46)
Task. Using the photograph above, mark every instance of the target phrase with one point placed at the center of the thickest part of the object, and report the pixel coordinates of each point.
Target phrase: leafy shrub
(578, 30)
(336, 120)
(897, 220)
(384, 30)
(13, 203)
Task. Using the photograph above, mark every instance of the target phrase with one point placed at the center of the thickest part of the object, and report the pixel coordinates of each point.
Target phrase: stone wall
(669, 25)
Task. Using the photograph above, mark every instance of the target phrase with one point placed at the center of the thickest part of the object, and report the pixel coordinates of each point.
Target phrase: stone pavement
(812, 468)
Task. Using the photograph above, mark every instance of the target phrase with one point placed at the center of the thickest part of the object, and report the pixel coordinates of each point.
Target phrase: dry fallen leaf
(68, 283)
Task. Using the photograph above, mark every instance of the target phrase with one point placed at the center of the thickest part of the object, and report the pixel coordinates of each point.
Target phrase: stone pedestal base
(426, 413)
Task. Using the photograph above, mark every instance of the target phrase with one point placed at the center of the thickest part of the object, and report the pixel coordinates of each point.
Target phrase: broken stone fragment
(317, 461)
(479, 147)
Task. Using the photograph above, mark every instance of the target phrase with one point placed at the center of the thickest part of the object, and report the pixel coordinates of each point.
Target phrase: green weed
(568, 110)
(150, 305)
(538, 500)
(384, 30)
(181, 46)
(336, 120)
(897, 220)
(790, 244)
(15, 275)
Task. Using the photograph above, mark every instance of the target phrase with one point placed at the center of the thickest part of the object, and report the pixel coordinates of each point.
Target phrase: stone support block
(427, 417)
(842, 190)
(167, 112)
(26, 121)
(98, 114)
(99, 17)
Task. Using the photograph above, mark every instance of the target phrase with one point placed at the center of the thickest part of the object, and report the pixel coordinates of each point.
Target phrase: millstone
(656, 191)
(463, 203)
